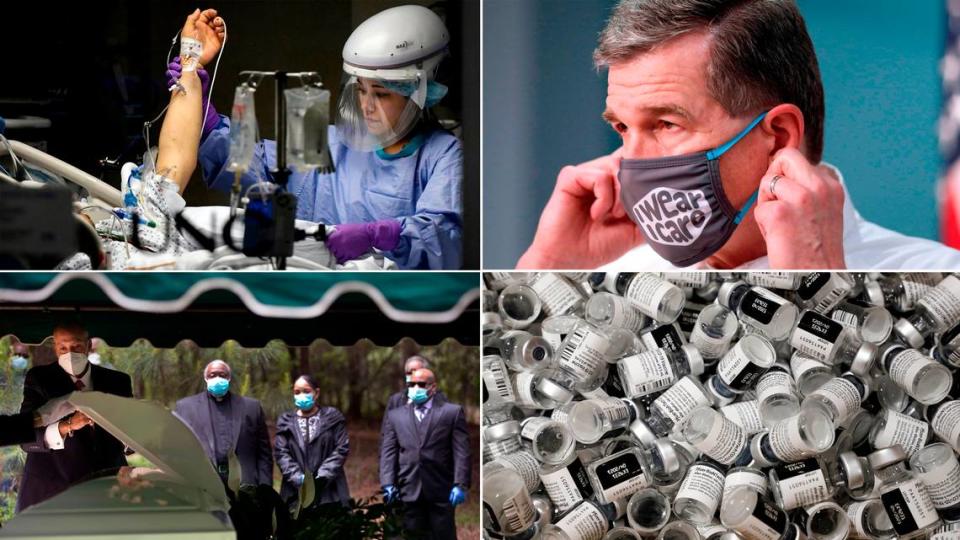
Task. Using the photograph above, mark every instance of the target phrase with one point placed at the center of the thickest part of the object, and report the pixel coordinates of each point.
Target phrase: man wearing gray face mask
(696, 181)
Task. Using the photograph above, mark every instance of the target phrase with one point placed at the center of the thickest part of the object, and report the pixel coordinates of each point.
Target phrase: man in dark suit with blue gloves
(425, 458)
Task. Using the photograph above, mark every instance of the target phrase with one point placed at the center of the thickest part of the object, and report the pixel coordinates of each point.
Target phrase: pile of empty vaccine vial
(760, 405)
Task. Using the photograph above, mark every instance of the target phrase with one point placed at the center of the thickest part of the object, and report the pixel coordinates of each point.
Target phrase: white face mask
(72, 362)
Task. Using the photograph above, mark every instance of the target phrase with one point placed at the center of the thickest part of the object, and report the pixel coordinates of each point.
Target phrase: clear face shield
(374, 113)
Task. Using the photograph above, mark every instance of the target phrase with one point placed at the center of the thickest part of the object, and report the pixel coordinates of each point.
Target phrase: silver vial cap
(757, 454)
(694, 358)
(874, 293)
(726, 288)
(886, 457)
(642, 432)
(852, 469)
(668, 455)
(510, 428)
(904, 329)
(864, 359)
(554, 391)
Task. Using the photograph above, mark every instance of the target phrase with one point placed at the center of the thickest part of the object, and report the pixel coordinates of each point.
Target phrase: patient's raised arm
(201, 38)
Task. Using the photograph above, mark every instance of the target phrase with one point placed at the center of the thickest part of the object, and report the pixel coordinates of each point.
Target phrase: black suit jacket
(424, 460)
(90, 452)
(249, 429)
(16, 429)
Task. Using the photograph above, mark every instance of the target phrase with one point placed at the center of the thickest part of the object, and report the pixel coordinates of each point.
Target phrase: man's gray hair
(416, 358)
(761, 53)
(217, 361)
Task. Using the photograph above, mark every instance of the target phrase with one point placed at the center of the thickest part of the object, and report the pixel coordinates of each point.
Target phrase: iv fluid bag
(308, 117)
(243, 129)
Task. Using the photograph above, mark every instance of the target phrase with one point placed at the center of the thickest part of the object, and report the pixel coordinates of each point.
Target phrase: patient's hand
(207, 28)
(211, 32)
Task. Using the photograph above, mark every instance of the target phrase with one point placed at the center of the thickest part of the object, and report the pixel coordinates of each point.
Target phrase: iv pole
(281, 174)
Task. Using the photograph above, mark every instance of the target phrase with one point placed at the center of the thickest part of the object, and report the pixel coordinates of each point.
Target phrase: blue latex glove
(173, 75)
(390, 494)
(352, 240)
(298, 480)
(457, 496)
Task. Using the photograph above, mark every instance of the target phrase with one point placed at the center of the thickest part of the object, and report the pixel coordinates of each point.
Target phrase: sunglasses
(420, 384)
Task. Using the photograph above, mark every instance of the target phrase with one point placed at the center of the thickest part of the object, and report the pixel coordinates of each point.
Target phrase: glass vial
(893, 428)
(904, 498)
(822, 291)
(924, 379)
(869, 521)
(548, 441)
(654, 371)
(944, 418)
(567, 483)
(656, 298)
(839, 398)
(830, 342)
(501, 439)
(805, 435)
(713, 331)
(507, 508)
(583, 354)
(586, 521)
(672, 407)
(936, 310)
(900, 291)
(716, 436)
(741, 368)
(937, 467)
(752, 516)
(619, 475)
(648, 511)
(518, 306)
(591, 419)
(777, 395)
(607, 310)
(825, 521)
(699, 495)
(764, 311)
(521, 350)
(558, 295)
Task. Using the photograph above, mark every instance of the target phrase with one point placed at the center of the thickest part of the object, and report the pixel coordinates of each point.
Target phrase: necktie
(78, 384)
(421, 412)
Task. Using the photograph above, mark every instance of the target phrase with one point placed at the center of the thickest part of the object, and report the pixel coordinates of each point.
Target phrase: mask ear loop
(746, 208)
(720, 150)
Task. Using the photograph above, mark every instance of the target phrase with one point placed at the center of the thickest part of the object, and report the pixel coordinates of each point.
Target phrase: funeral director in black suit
(225, 422)
(425, 458)
(72, 449)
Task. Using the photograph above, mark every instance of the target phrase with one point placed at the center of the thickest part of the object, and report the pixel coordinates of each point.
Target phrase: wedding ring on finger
(773, 184)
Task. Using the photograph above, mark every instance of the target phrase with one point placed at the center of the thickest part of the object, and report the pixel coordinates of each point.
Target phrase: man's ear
(783, 125)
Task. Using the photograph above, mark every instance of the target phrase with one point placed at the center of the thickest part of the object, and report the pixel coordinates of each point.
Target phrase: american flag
(948, 129)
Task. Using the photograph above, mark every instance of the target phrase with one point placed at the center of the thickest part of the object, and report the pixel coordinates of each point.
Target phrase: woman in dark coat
(312, 440)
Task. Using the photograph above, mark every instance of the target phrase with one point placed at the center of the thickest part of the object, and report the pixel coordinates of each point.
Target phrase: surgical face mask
(218, 386)
(73, 362)
(418, 395)
(304, 401)
(679, 204)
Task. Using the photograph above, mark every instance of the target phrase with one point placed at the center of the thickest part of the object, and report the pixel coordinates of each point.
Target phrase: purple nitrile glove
(174, 70)
(351, 240)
